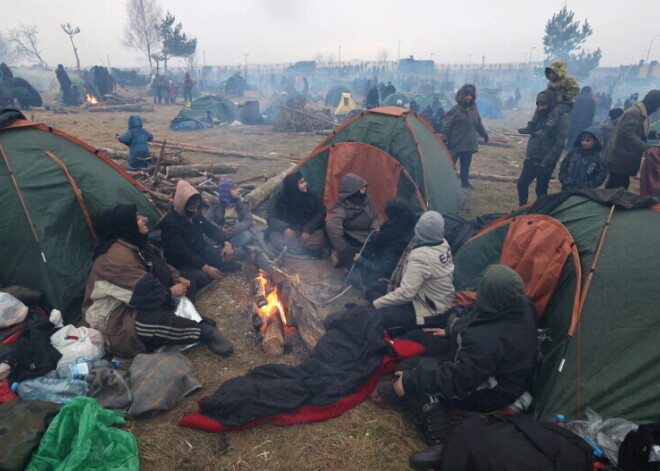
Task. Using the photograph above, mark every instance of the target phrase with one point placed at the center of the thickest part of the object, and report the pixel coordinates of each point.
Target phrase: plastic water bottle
(560, 420)
(82, 369)
(50, 389)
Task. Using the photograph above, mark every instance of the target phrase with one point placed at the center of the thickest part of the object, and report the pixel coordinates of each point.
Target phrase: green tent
(591, 266)
(392, 99)
(333, 97)
(427, 100)
(396, 151)
(198, 109)
(52, 186)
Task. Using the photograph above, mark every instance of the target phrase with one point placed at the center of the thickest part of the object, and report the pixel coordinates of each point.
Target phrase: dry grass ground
(365, 438)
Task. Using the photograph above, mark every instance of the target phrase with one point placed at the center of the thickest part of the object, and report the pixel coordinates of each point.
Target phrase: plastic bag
(81, 437)
(77, 343)
(608, 434)
(184, 308)
(12, 311)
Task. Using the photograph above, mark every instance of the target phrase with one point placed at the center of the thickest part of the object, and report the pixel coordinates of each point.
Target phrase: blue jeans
(241, 239)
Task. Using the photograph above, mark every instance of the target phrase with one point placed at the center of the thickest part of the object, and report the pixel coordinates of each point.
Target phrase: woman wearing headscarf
(232, 214)
(295, 218)
(461, 126)
(130, 292)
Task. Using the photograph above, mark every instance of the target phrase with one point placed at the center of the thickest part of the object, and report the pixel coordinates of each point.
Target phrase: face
(192, 207)
(542, 105)
(303, 186)
(363, 190)
(234, 191)
(142, 224)
(468, 98)
(552, 76)
(587, 141)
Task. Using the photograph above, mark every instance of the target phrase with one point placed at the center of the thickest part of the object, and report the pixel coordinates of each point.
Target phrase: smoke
(283, 9)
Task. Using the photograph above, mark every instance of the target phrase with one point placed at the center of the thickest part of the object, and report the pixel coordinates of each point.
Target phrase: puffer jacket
(565, 87)
(462, 124)
(584, 169)
(136, 138)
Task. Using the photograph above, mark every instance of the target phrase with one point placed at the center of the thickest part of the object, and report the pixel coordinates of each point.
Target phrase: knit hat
(499, 290)
(430, 228)
(652, 101)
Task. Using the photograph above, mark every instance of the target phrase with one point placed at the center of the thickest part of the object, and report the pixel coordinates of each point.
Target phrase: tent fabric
(333, 97)
(219, 107)
(391, 100)
(488, 109)
(346, 105)
(52, 188)
(427, 100)
(410, 141)
(602, 320)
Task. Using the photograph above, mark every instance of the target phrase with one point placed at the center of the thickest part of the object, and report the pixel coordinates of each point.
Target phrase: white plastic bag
(184, 308)
(12, 311)
(77, 344)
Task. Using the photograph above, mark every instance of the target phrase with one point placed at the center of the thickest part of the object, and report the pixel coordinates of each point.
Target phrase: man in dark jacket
(582, 115)
(543, 149)
(137, 139)
(183, 229)
(628, 143)
(494, 351)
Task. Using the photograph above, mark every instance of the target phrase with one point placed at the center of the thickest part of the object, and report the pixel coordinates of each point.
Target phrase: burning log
(303, 313)
(127, 107)
(273, 337)
(221, 152)
(263, 191)
(196, 170)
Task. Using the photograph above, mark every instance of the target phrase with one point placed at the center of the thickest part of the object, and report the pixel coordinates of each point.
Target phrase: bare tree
(71, 32)
(25, 43)
(6, 52)
(141, 32)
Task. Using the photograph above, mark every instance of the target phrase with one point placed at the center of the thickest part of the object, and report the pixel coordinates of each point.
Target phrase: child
(565, 88)
(584, 166)
(137, 139)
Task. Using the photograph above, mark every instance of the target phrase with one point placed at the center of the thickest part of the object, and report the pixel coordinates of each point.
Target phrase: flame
(91, 99)
(273, 304)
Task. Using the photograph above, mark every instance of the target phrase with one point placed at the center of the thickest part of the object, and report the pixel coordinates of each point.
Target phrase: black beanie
(652, 101)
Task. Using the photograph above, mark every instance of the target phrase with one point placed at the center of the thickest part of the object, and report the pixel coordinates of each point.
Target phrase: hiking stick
(345, 286)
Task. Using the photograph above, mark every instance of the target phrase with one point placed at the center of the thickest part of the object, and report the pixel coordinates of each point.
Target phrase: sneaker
(334, 258)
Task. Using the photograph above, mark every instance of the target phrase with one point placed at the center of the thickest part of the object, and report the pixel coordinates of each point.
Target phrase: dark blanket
(339, 373)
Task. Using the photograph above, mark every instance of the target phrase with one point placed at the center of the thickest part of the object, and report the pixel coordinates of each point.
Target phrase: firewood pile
(294, 117)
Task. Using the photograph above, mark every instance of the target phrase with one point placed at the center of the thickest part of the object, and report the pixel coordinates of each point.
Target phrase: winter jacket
(584, 169)
(582, 116)
(183, 237)
(628, 142)
(607, 129)
(385, 248)
(120, 284)
(492, 351)
(545, 148)
(565, 87)
(462, 124)
(240, 220)
(350, 218)
(136, 138)
(427, 282)
(282, 217)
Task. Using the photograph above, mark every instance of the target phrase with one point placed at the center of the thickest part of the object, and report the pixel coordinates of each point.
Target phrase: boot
(217, 343)
(436, 429)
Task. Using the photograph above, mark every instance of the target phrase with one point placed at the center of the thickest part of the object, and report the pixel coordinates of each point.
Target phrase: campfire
(91, 99)
(272, 319)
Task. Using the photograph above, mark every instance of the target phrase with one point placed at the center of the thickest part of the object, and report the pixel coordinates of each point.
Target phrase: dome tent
(198, 110)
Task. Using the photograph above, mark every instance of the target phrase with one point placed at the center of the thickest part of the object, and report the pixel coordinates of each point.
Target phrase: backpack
(514, 443)
(637, 446)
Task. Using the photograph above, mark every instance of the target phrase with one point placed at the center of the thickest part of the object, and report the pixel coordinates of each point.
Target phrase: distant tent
(272, 111)
(248, 113)
(52, 187)
(394, 98)
(427, 100)
(25, 93)
(198, 110)
(393, 149)
(590, 261)
(334, 95)
(346, 105)
(488, 109)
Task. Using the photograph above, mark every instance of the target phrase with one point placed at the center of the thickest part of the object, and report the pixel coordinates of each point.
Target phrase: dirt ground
(365, 438)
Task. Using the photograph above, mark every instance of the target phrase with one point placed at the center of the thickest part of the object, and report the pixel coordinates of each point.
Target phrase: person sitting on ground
(232, 214)
(426, 290)
(585, 166)
(130, 292)
(183, 229)
(384, 249)
(492, 357)
(137, 139)
(353, 219)
(295, 218)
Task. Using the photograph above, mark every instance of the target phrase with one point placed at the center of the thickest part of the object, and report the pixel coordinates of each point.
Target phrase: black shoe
(209, 320)
(217, 343)
(429, 458)
(467, 185)
(525, 130)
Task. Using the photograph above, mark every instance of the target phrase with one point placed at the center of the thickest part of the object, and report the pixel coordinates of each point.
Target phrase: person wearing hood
(295, 218)
(353, 218)
(130, 292)
(137, 139)
(461, 126)
(232, 214)
(629, 141)
(372, 99)
(582, 115)
(490, 363)
(543, 149)
(585, 166)
(183, 231)
(384, 249)
(630, 101)
(426, 291)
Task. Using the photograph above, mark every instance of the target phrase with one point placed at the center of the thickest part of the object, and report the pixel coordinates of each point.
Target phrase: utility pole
(108, 56)
(398, 52)
(204, 58)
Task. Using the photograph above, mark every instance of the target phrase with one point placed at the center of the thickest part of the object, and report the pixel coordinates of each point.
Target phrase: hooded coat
(582, 116)
(136, 138)
(355, 219)
(293, 209)
(584, 169)
(565, 87)
(546, 148)
(183, 236)
(462, 124)
(238, 215)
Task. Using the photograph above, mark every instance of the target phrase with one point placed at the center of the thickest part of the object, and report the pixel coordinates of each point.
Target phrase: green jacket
(628, 142)
(565, 87)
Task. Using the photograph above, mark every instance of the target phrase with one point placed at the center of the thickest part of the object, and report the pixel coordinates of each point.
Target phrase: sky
(284, 31)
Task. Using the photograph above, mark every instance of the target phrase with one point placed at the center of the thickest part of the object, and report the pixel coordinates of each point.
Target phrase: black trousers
(617, 180)
(530, 172)
(465, 159)
(161, 328)
(398, 320)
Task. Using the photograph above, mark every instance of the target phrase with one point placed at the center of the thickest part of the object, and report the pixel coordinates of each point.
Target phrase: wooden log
(160, 196)
(114, 154)
(196, 170)
(495, 178)
(263, 191)
(302, 313)
(273, 340)
(222, 152)
(126, 107)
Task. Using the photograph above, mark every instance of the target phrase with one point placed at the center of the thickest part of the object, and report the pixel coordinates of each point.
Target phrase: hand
(398, 384)
(305, 236)
(436, 331)
(212, 272)
(183, 281)
(356, 256)
(178, 290)
(227, 252)
(289, 233)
